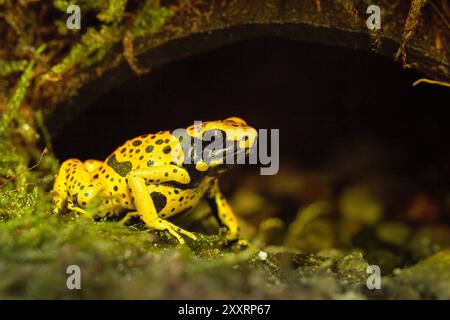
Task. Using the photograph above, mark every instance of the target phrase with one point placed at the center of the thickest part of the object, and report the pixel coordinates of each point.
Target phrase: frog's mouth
(229, 159)
(231, 155)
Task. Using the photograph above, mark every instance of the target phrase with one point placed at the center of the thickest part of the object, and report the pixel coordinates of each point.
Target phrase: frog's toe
(160, 224)
(182, 231)
(58, 206)
(243, 243)
(232, 236)
(127, 217)
(188, 234)
(176, 235)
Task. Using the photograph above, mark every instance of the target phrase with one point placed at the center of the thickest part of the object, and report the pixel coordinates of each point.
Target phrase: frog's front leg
(143, 202)
(223, 212)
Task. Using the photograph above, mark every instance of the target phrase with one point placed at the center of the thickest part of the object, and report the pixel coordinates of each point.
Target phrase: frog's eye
(237, 120)
(214, 135)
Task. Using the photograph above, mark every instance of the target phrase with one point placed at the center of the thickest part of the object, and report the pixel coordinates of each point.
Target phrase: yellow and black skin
(147, 177)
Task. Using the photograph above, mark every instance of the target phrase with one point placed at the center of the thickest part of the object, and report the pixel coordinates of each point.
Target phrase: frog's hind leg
(72, 178)
(128, 216)
(61, 186)
(144, 202)
(60, 193)
(91, 165)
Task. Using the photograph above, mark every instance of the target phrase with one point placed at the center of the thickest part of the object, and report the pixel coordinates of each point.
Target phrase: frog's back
(145, 151)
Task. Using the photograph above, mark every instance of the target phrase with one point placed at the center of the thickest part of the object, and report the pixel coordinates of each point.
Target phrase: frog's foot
(224, 213)
(164, 225)
(74, 208)
(182, 231)
(58, 207)
(127, 217)
(243, 243)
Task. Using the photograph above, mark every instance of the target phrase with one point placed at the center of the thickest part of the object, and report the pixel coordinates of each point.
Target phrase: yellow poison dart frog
(155, 176)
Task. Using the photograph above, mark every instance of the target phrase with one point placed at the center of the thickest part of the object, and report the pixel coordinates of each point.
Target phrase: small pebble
(262, 255)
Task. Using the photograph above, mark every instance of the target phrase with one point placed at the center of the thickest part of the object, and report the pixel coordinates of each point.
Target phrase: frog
(156, 176)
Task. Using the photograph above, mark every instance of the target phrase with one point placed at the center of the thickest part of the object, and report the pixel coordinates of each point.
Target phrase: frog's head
(224, 142)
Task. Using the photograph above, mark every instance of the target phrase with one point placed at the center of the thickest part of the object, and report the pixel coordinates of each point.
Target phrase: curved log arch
(222, 22)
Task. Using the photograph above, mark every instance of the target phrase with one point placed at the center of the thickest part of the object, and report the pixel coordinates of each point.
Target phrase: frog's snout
(250, 137)
(236, 120)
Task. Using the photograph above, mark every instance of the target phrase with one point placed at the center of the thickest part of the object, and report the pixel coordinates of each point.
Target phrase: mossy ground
(308, 259)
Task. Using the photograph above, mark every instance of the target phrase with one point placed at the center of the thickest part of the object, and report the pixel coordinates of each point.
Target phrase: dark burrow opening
(342, 112)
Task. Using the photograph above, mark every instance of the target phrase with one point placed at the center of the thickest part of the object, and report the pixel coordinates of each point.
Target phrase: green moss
(150, 19)
(427, 279)
(8, 67)
(133, 262)
(92, 48)
(19, 94)
(39, 246)
(96, 42)
(128, 262)
(18, 202)
(113, 13)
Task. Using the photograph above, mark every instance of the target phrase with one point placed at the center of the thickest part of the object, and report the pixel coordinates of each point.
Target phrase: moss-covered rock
(428, 279)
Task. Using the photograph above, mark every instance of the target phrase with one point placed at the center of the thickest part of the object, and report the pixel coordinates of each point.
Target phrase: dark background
(321, 98)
